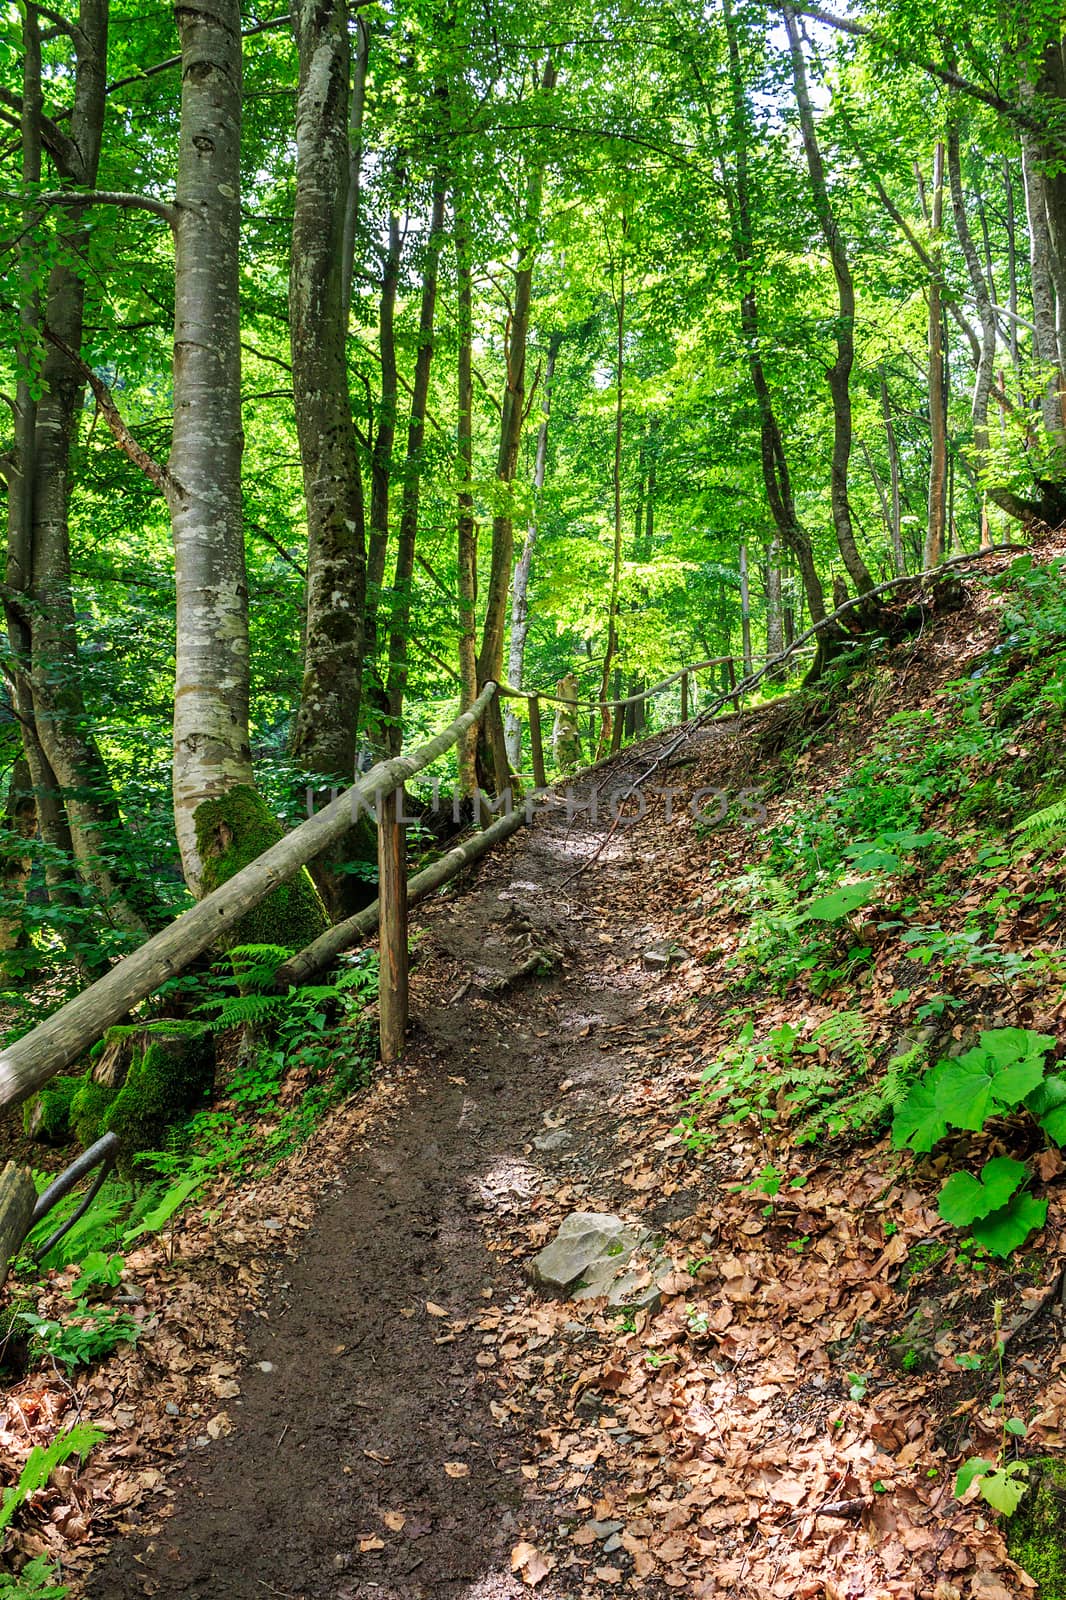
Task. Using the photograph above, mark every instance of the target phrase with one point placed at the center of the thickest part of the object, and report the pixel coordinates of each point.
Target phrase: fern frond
(1043, 826)
(242, 1010)
(847, 1034)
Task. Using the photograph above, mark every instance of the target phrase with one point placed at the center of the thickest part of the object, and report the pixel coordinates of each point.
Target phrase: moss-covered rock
(47, 1116)
(1036, 1534)
(231, 831)
(169, 1080)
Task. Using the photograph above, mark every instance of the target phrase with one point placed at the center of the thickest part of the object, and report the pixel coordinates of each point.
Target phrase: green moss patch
(169, 1080)
(88, 1109)
(1036, 1534)
(47, 1117)
(231, 831)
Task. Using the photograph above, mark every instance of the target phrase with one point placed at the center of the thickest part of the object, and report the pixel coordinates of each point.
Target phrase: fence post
(392, 896)
(536, 744)
(684, 697)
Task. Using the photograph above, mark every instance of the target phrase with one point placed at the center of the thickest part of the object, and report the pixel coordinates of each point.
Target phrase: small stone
(171, 1409)
(612, 1544)
(265, 1366)
(604, 1530)
(661, 957)
(553, 1140)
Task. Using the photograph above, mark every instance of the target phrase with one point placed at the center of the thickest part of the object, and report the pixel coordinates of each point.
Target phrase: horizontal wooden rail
(61, 1038)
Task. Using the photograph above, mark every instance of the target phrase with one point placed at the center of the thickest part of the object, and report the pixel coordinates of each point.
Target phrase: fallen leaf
(373, 1543)
(531, 1566)
(435, 1310)
(457, 1469)
(394, 1521)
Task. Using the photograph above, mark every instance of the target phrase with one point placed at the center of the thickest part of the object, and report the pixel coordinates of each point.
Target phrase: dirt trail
(355, 1404)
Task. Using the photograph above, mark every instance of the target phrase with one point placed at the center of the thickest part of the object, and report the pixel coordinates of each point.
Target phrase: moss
(922, 1257)
(170, 1079)
(1036, 1534)
(47, 1116)
(88, 1109)
(231, 831)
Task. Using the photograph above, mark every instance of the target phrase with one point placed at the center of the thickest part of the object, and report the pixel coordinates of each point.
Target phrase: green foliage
(1004, 1071)
(91, 1334)
(42, 1462)
(1036, 1537)
(36, 1581)
(1002, 1487)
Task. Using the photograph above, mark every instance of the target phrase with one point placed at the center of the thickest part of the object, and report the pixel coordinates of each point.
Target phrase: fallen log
(68, 1032)
(346, 935)
(18, 1196)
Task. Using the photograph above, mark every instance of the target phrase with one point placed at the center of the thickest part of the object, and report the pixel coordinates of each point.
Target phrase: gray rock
(612, 1544)
(554, 1140)
(661, 957)
(587, 1254)
(605, 1530)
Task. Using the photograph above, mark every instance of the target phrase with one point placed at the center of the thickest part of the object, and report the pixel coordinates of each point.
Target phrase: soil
(355, 1403)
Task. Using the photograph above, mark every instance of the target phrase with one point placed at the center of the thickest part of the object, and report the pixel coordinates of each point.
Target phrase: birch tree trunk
(211, 742)
(516, 649)
(840, 371)
(325, 731)
(616, 487)
(898, 559)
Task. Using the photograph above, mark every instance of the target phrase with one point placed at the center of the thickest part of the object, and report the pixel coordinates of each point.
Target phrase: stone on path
(588, 1256)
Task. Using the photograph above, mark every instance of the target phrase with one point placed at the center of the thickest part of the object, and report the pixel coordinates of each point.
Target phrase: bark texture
(325, 732)
(211, 745)
(839, 374)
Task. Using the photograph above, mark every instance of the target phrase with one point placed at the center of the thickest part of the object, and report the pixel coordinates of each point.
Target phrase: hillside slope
(707, 1028)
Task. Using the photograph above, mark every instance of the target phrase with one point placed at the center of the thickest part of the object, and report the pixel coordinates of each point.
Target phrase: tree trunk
(840, 371)
(466, 527)
(776, 476)
(775, 618)
(211, 743)
(616, 484)
(516, 651)
(982, 388)
(490, 657)
(898, 560)
(384, 440)
(938, 421)
(745, 611)
(327, 720)
(416, 433)
(1046, 346)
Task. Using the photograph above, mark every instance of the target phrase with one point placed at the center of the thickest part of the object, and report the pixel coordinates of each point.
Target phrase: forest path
(357, 1403)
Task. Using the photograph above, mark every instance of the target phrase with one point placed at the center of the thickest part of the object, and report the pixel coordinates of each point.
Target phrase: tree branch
(153, 470)
(1015, 113)
(111, 197)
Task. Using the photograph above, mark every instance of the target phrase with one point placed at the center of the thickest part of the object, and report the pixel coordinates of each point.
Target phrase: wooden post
(730, 667)
(684, 697)
(497, 743)
(18, 1196)
(392, 894)
(536, 744)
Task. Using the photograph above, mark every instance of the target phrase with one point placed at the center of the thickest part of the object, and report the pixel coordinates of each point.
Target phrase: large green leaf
(842, 902)
(975, 1467)
(964, 1198)
(1004, 1230)
(1054, 1125)
(919, 1121)
(1007, 1045)
(1003, 1488)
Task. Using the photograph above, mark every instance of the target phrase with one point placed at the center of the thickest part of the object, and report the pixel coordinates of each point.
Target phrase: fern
(242, 1010)
(1043, 826)
(41, 1463)
(846, 1035)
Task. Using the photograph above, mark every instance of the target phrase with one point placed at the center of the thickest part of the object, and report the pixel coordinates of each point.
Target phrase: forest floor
(395, 1413)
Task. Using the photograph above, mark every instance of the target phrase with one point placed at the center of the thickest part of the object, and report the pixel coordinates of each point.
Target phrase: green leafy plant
(36, 1581)
(42, 1462)
(1002, 1483)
